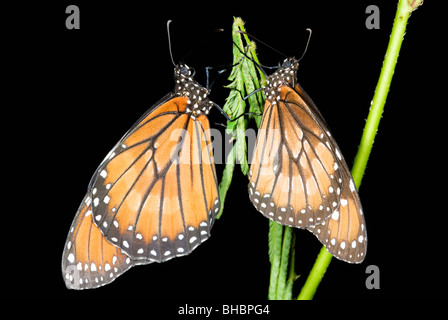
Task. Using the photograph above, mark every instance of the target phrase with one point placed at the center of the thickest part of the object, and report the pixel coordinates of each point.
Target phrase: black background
(78, 91)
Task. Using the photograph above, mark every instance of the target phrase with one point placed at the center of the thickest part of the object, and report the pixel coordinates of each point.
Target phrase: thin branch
(405, 7)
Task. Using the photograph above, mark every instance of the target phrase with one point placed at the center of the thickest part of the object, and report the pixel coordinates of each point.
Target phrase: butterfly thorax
(186, 86)
(286, 75)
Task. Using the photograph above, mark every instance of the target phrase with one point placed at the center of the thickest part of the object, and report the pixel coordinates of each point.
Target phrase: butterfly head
(286, 75)
(197, 96)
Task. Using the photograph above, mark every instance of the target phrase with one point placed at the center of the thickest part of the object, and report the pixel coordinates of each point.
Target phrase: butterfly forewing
(150, 199)
(294, 178)
(298, 176)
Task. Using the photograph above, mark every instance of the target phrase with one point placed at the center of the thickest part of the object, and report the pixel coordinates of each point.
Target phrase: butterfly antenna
(263, 43)
(307, 43)
(169, 41)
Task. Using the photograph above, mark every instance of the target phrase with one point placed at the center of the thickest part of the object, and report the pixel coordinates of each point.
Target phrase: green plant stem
(405, 7)
(379, 99)
(316, 275)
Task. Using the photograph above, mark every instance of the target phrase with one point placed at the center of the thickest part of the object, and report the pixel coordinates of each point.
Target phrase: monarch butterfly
(155, 195)
(298, 176)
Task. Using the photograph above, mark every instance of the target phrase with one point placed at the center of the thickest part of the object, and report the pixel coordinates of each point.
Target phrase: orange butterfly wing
(298, 176)
(155, 195)
(294, 176)
(344, 234)
(89, 260)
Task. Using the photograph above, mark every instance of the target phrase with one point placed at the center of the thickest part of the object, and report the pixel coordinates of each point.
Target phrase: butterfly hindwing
(344, 234)
(89, 260)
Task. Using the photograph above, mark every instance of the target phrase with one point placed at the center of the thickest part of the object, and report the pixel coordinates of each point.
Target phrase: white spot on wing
(335, 215)
(103, 173)
(338, 154)
(352, 186)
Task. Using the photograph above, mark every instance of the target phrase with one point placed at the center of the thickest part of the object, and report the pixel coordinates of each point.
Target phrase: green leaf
(244, 79)
(286, 247)
(275, 237)
(226, 180)
(292, 276)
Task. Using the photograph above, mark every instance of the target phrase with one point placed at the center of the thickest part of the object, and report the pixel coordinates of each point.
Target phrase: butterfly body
(298, 176)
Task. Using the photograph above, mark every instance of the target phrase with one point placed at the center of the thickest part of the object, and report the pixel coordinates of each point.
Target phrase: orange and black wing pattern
(89, 260)
(344, 232)
(298, 176)
(155, 195)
